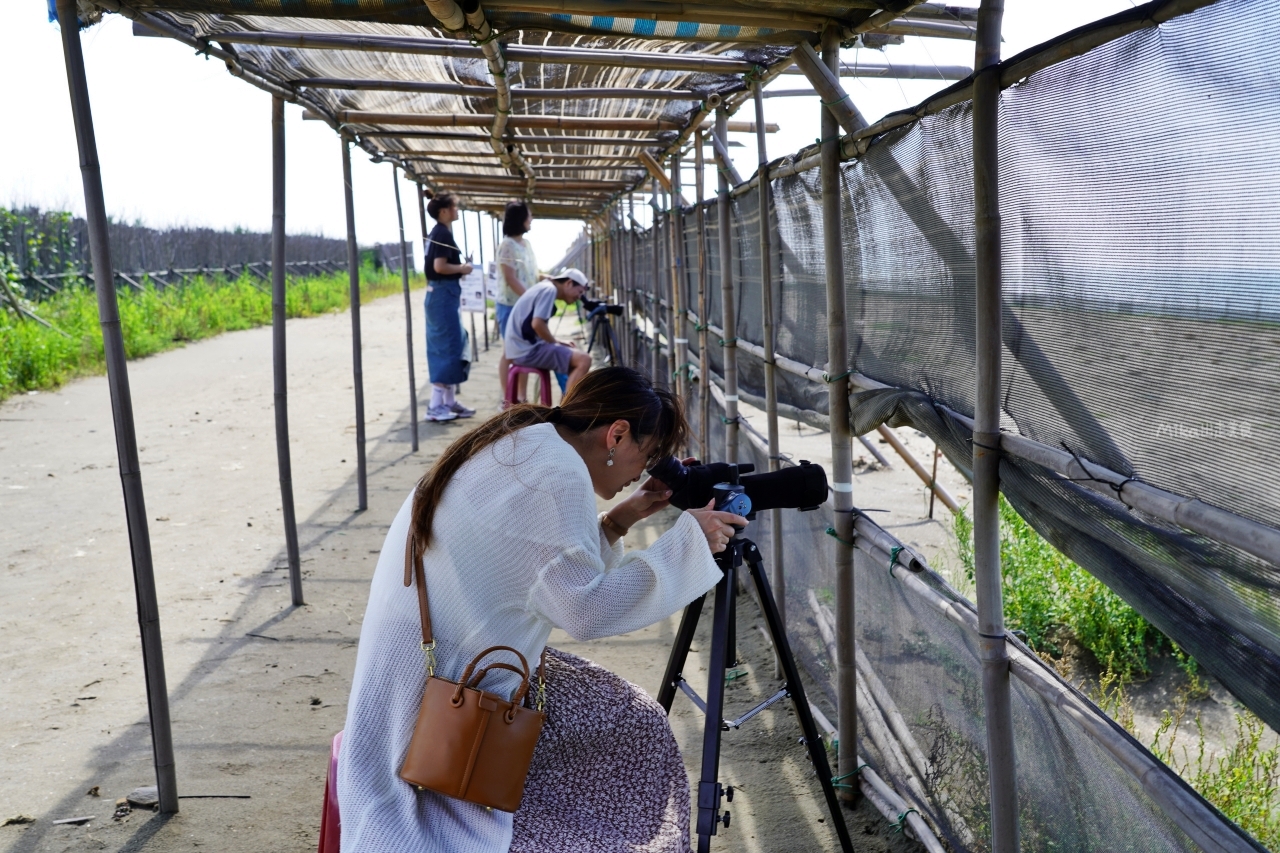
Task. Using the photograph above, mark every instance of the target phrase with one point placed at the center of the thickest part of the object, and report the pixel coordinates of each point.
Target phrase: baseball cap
(573, 274)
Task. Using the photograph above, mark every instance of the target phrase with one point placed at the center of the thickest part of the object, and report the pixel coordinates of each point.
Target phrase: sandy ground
(257, 686)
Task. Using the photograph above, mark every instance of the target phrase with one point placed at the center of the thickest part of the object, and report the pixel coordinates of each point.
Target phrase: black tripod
(722, 655)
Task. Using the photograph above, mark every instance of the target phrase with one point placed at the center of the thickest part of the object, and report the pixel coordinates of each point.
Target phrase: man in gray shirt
(529, 342)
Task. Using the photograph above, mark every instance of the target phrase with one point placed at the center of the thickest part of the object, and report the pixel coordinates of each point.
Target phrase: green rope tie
(684, 368)
(901, 823)
(838, 781)
(701, 327)
(893, 557)
(727, 421)
(821, 141)
(843, 97)
(724, 342)
(734, 674)
(829, 379)
(831, 531)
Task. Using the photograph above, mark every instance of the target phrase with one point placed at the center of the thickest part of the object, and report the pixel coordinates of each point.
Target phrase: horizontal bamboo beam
(750, 127)
(659, 10)
(928, 29)
(612, 141)
(899, 72)
(517, 93)
(501, 181)
(485, 120)
(458, 49)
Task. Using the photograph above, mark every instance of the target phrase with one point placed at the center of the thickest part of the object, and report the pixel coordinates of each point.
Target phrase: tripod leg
(731, 639)
(817, 752)
(679, 652)
(709, 790)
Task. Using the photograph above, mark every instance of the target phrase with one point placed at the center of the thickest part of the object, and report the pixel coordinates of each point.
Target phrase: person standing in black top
(447, 358)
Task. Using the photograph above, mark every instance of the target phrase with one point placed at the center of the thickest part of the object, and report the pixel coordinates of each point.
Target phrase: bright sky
(184, 143)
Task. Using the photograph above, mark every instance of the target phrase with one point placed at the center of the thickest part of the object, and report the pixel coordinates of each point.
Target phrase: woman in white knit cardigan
(513, 546)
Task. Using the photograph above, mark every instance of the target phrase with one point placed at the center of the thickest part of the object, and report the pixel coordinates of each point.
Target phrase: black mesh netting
(1140, 197)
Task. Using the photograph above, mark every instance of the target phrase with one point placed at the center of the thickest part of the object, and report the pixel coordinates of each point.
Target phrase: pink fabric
(330, 822)
(544, 382)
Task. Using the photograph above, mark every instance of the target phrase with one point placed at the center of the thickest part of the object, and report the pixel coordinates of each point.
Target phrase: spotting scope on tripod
(803, 487)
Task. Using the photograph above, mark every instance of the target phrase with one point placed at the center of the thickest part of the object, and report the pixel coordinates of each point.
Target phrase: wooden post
(357, 361)
(986, 433)
(778, 577)
(278, 362)
(729, 314)
(704, 358)
(484, 315)
(135, 510)
(631, 279)
(408, 311)
(841, 440)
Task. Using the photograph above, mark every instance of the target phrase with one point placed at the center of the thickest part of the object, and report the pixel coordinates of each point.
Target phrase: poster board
(474, 291)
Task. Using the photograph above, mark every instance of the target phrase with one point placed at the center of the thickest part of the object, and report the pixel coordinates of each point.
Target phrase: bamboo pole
(458, 49)
(144, 581)
(517, 93)
(726, 162)
(777, 553)
(585, 141)
(680, 315)
(914, 464)
(900, 72)
(728, 298)
(279, 367)
(357, 359)
(525, 122)
(656, 277)
(544, 184)
(838, 405)
(827, 83)
(704, 357)
(661, 10)
(986, 436)
(408, 314)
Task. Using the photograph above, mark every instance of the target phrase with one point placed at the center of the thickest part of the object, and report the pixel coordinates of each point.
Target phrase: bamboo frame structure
(993, 652)
(827, 84)
(357, 356)
(898, 72)
(679, 340)
(517, 93)
(841, 440)
(408, 313)
(279, 368)
(144, 580)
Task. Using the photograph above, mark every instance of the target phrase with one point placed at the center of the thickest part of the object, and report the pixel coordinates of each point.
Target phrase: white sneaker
(441, 413)
(461, 410)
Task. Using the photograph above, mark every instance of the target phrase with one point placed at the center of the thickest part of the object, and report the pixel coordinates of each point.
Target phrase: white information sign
(473, 291)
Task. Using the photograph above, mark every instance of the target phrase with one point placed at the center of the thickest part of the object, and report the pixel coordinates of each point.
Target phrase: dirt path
(258, 687)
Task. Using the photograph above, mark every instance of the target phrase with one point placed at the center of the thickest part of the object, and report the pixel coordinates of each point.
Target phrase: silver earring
(610, 462)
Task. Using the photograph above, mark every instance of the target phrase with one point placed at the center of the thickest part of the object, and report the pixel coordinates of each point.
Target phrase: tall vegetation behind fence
(44, 242)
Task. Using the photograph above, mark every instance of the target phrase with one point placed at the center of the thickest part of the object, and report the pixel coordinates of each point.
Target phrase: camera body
(596, 307)
(802, 487)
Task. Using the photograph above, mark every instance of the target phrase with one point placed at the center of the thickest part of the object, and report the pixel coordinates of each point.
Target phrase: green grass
(1049, 599)
(33, 357)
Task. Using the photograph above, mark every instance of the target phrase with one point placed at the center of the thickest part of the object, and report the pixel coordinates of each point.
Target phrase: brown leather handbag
(468, 743)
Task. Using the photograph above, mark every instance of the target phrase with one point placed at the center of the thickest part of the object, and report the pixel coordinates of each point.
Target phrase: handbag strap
(413, 570)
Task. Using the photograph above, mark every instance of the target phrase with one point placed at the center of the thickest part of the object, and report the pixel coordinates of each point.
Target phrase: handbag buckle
(429, 651)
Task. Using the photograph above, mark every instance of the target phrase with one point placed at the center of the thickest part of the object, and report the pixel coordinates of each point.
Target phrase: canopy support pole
(484, 272)
(279, 364)
(728, 312)
(357, 363)
(765, 190)
(679, 315)
(655, 285)
(986, 434)
(408, 311)
(704, 358)
(144, 581)
(841, 440)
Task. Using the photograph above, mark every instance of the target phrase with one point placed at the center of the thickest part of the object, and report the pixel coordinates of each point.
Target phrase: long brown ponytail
(600, 398)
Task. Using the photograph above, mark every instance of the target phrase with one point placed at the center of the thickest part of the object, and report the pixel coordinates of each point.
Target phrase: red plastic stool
(544, 380)
(330, 822)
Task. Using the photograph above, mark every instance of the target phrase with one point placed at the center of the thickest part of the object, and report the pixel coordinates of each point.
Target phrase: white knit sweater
(517, 550)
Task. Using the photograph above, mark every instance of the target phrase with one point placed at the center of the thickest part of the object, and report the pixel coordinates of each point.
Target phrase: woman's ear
(617, 432)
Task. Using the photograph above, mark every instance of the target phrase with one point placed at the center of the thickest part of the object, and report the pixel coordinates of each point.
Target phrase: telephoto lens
(803, 486)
